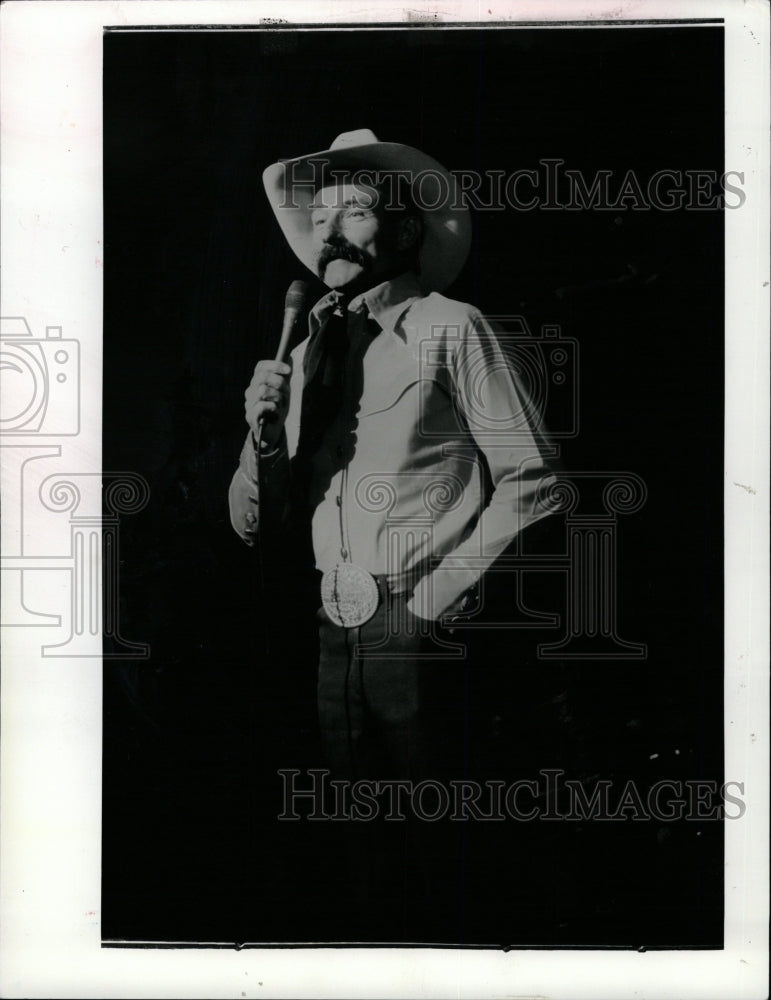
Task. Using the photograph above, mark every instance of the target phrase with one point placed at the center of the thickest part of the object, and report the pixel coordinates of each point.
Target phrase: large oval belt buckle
(349, 595)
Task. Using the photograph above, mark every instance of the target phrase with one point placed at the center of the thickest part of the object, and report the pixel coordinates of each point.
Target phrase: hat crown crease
(359, 137)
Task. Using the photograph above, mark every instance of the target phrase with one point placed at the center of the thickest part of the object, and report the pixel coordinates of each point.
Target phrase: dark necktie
(324, 369)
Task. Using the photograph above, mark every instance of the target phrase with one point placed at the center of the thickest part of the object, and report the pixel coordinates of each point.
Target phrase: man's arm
(259, 489)
(500, 418)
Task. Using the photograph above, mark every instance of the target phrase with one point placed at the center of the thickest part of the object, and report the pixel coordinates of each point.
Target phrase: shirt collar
(385, 302)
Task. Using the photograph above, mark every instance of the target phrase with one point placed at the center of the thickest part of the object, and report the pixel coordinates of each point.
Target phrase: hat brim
(290, 186)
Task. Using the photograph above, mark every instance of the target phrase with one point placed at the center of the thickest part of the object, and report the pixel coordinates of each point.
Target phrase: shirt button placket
(340, 453)
(339, 501)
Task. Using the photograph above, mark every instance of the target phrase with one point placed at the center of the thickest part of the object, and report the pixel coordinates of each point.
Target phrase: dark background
(195, 274)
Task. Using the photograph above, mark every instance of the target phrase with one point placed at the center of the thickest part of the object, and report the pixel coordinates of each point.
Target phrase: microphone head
(296, 295)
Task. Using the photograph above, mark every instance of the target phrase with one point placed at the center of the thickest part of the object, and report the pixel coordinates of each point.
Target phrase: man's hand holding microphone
(267, 398)
(267, 401)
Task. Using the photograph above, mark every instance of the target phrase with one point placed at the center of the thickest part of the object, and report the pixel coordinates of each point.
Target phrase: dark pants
(391, 698)
(393, 704)
(402, 706)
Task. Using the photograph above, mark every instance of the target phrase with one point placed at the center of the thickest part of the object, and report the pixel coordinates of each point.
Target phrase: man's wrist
(450, 593)
(266, 449)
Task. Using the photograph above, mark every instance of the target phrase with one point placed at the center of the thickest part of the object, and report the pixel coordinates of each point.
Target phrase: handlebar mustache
(342, 251)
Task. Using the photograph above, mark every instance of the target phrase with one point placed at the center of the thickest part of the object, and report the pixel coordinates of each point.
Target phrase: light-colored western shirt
(435, 460)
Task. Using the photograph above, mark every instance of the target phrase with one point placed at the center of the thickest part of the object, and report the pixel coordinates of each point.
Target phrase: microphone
(293, 306)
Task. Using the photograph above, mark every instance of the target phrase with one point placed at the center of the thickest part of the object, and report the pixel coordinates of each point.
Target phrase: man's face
(355, 247)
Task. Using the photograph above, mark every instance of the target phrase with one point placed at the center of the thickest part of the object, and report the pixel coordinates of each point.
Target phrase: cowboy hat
(290, 187)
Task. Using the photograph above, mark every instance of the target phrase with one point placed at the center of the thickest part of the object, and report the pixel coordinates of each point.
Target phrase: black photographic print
(295, 752)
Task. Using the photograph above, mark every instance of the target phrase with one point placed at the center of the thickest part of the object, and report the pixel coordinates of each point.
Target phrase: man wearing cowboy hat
(399, 436)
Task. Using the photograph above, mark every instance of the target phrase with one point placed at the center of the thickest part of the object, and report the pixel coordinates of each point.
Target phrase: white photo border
(51, 244)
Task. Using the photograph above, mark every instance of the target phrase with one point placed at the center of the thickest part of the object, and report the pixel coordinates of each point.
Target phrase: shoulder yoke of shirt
(390, 304)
